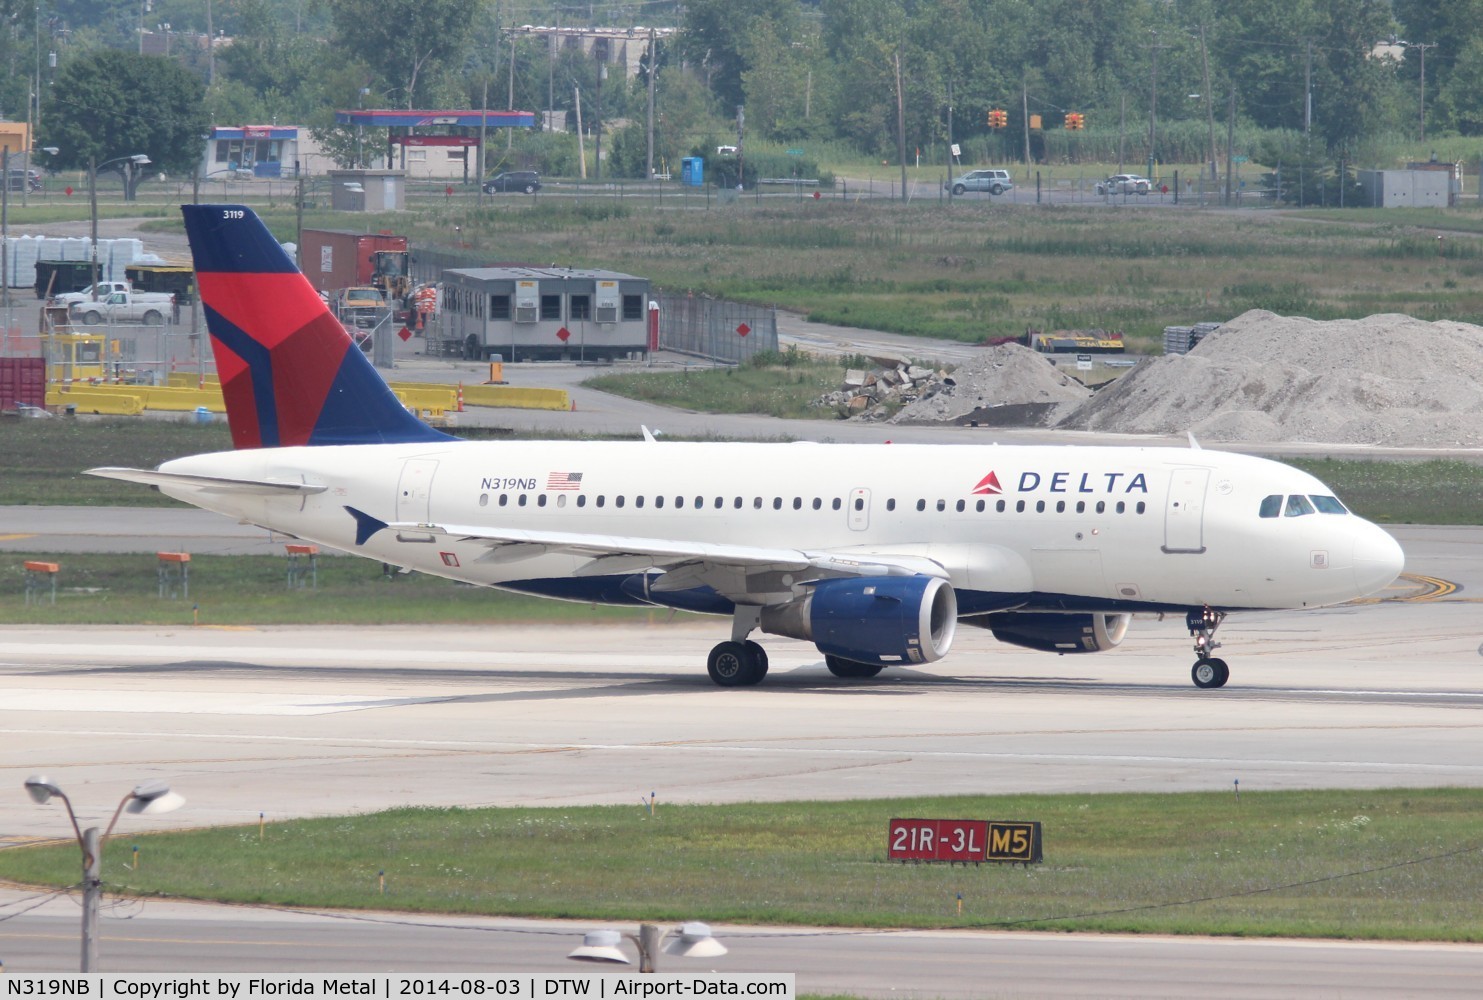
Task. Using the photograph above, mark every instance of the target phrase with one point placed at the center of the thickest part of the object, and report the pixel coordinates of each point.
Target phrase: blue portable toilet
(692, 171)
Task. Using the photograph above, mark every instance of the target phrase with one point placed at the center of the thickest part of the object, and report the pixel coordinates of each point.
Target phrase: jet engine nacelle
(1051, 632)
(886, 619)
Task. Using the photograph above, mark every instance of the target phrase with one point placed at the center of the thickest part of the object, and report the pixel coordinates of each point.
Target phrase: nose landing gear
(1208, 671)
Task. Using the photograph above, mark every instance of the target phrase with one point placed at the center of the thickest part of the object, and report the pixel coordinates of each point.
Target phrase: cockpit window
(1271, 506)
(1327, 505)
(1298, 505)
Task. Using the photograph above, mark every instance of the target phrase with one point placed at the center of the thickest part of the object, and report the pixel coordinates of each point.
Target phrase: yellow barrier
(516, 397)
(172, 398)
(422, 396)
(98, 399)
(190, 380)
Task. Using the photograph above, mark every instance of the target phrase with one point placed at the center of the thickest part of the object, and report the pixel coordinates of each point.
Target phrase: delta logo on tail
(289, 372)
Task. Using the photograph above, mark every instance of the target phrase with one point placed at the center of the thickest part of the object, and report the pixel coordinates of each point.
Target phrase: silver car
(1124, 184)
(992, 181)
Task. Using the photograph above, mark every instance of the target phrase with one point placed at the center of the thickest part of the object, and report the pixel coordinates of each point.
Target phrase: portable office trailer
(527, 314)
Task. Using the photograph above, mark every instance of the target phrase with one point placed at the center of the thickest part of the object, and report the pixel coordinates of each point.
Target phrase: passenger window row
(818, 503)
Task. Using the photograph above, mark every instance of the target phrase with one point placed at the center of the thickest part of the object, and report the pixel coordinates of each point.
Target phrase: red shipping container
(22, 383)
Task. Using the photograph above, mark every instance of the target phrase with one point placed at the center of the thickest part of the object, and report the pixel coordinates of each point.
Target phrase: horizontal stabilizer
(214, 484)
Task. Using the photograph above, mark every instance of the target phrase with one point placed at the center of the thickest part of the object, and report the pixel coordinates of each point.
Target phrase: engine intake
(886, 619)
(1052, 632)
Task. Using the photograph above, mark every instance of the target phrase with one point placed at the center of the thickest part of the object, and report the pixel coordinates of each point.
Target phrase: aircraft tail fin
(290, 373)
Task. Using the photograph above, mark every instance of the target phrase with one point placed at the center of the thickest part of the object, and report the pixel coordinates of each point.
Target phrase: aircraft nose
(1378, 560)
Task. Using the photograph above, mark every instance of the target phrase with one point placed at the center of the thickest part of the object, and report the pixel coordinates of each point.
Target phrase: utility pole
(1122, 131)
(551, 51)
(1025, 115)
(1308, 90)
(901, 125)
(1209, 102)
(1421, 111)
(483, 135)
(950, 142)
(1230, 143)
(653, 70)
(1153, 104)
(741, 121)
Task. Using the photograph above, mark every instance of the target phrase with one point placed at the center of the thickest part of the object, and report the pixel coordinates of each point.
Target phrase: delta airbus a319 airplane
(874, 553)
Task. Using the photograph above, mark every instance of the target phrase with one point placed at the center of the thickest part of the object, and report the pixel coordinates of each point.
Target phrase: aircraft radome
(877, 554)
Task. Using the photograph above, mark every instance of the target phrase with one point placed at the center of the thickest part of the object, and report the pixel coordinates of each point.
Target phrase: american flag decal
(564, 481)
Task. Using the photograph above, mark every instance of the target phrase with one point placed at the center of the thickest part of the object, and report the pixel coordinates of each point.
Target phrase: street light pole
(135, 160)
(150, 798)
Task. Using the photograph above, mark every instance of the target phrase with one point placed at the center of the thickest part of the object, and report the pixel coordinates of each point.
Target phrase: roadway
(295, 721)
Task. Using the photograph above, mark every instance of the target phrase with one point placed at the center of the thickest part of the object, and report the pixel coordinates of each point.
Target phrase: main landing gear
(737, 664)
(1208, 671)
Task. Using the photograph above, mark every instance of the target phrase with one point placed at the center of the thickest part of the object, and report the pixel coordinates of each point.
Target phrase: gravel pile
(1006, 374)
(1384, 380)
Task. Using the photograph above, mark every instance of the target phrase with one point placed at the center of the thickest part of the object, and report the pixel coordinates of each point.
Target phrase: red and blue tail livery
(290, 373)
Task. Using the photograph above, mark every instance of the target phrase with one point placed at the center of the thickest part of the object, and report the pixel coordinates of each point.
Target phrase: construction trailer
(528, 313)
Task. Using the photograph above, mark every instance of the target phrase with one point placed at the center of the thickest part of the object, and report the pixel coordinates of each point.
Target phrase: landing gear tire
(1210, 673)
(761, 656)
(840, 667)
(735, 664)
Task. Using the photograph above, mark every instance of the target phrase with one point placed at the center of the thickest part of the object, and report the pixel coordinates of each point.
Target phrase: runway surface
(306, 721)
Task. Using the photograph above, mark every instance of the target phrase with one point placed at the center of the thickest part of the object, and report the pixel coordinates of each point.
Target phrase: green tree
(113, 104)
(408, 43)
(716, 34)
(1460, 103)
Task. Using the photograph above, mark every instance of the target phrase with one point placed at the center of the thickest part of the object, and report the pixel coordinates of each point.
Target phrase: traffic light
(998, 118)
(1075, 121)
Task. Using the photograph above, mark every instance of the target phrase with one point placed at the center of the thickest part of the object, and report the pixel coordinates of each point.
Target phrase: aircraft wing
(213, 484)
(711, 563)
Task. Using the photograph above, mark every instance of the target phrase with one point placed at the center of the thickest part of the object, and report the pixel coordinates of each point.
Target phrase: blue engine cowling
(881, 620)
(1052, 632)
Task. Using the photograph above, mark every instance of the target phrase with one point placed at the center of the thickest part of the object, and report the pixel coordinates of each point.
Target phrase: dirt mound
(1382, 380)
(1003, 375)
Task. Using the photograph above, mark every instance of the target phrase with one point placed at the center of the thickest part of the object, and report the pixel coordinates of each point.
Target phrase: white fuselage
(1074, 528)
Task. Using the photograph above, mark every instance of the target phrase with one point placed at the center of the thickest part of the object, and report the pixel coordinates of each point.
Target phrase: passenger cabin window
(1297, 506)
(1271, 506)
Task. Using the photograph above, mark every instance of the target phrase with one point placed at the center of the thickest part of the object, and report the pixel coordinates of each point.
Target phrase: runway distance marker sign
(964, 841)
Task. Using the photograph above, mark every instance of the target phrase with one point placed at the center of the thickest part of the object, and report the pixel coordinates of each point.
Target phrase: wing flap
(211, 484)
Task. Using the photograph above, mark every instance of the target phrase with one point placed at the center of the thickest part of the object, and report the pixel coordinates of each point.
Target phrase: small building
(1405, 188)
(528, 313)
(368, 190)
(240, 152)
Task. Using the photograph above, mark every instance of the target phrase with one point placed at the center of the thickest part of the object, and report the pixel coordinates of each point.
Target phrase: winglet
(365, 525)
(289, 372)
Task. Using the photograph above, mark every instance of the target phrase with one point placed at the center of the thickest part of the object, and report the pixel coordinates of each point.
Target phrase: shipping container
(335, 258)
(22, 383)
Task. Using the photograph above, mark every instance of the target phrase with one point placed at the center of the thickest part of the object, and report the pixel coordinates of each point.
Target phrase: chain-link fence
(712, 328)
(135, 353)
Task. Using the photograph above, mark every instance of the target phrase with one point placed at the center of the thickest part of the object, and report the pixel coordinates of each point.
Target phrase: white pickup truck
(149, 308)
(105, 289)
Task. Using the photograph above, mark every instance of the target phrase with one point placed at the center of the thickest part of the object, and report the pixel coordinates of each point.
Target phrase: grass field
(123, 589)
(982, 268)
(1400, 864)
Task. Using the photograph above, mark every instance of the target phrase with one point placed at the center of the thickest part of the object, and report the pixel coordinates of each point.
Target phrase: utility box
(1397, 188)
(692, 171)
